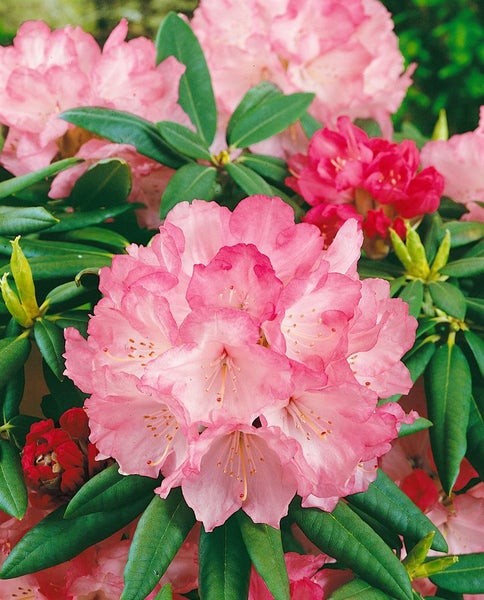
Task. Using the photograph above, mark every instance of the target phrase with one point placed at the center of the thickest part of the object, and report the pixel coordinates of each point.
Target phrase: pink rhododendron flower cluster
(46, 72)
(459, 159)
(243, 361)
(346, 53)
(346, 173)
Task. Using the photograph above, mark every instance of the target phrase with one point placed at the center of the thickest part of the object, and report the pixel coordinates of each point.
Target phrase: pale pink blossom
(459, 159)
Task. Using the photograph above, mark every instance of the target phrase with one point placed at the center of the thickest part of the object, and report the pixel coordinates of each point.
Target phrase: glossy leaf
(184, 140)
(63, 395)
(252, 98)
(75, 318)
(106, 183)
(475, 308)
(11, 395)
(99, 236)
(348, 539)
(466, 576)
(17, 220)
(39, 248)
(412, 294)
(448, 387)
(69, 295)
(159, 534)
(464, 232)
(14, 352)
(124, 128)
(224, 563)
(107, 491)
(248, 180)
(385, 501)
(448, 298)
(269, 167)
(48, 267)
(19, 427)
(269, 118)
(464, 267)
(475, 434)
(264, 546)
(86, 218)
(420, 424)
(189, 182)
(50, 341)
(17, 184)
(166, 593)
(55, 539)
(176, 38)
(13, 493)
(359, 590)
(476, 344)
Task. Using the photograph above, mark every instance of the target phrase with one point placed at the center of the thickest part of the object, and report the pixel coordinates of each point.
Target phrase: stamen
(164, 426)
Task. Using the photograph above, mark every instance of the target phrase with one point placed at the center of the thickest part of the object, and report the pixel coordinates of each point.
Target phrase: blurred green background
(445, 38)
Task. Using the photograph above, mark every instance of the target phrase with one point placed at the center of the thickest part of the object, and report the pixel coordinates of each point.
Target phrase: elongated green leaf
(176, 38)
(107, 491)
(166, 593)
(357, 589)
(106, 183)
(310, 124)
(393, 508)
(48, 267)
(248, 180)
(16, 184)
(269, 167)
(192, 181)
(17, 220)
(475, 434)
(55, 539)
(224, 563)
(184, 140)
(252, 98)
(50, 341)
(464, 232)
(466, 576)
(269, 118)
(11, 395)
(418, 425)
(475, 307)
(159, 534)
(19, 426)
(14, 351)
(99, 236)
(448, 298)
(464, 267)
(344, 536)
(40, 248)
(412, 294)
(476, 344)
(124, 128)
(448, 387)
(74, 318)
(70, 295)
(264, 546)
(81, 219)
(13, 493)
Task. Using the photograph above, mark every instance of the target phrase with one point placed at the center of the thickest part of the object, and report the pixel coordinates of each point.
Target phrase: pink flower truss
(346, 53)
(459, 159)
(346, 172)
(243, 361)
(46, 72)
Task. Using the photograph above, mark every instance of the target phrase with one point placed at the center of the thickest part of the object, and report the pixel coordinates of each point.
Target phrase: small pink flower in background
(243, 361)
(346, 53)
(46, 72)
(459, 159)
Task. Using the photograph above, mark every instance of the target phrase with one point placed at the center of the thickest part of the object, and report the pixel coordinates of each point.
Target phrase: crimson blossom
(244, 361)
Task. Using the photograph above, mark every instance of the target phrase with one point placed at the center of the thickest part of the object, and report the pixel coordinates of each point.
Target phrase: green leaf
(192, 181)
(252, 98)
(420, 424)
(264, 546)
(74, 318)
(464, 267)
(19, 427)
(475, 308)
(476, 344)
(33, 248)
(348, 539)
(124, 128)
(14, 352)
(48, 267)
(17, 184)
(17, 220)
(448, 298)
(63, 395)
(359, 590)
(106, 183)
(50, 341)
(81, 219)
(413, 294)
(224, 563)
(70, 295)
(269, 167)
(248, 180)
(310, 124)
(99, 236)
(55, 540)
(448, 387)
(393, 508)
(464, 577)
(463, 232)
(13, 493)
(159, 534)
(176, 38)
(107, 491)
(475, 434)
(166, 593)
(269, 118)
(11, 395)
(184, 140)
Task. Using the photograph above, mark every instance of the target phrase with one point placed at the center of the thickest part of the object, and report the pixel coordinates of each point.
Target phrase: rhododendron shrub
(243, 361)
(345, 173)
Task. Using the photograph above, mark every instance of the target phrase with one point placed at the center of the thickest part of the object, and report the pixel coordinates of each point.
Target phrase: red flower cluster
(373, 178)
(57, 460)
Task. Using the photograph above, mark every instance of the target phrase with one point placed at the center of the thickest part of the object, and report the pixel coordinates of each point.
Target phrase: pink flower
(347, 54)
(46, 72)
(459, 159)
(220, 353)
